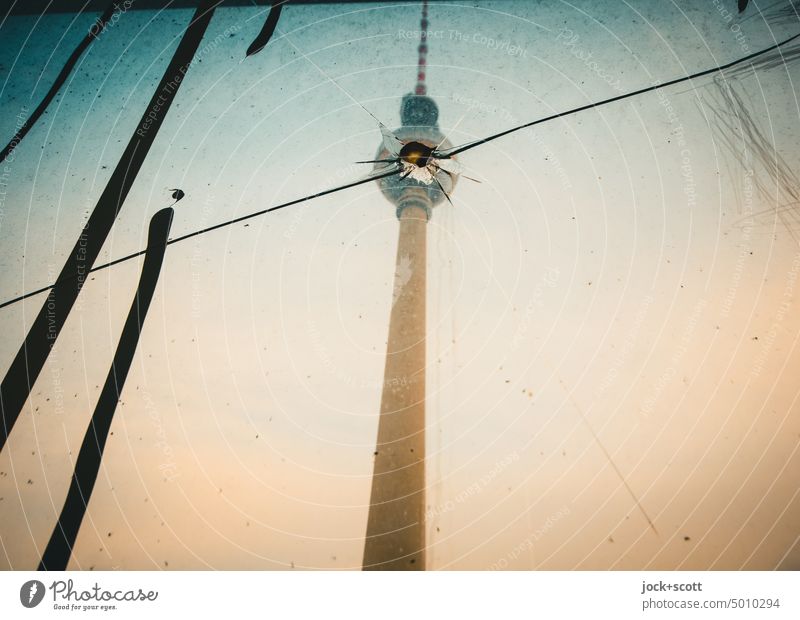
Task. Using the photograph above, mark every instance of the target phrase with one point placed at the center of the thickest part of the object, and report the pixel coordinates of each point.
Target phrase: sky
(612, 334)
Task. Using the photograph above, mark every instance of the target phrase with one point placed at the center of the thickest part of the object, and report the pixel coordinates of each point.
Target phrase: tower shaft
(396, 521)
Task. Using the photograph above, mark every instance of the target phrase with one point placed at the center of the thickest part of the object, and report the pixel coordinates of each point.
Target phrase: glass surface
(611, 326)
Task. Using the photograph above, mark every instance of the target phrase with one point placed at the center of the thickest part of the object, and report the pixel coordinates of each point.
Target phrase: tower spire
(417, 109)
(423, 51)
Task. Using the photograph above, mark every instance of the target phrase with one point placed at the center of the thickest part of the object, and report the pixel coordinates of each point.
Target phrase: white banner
(766, 595)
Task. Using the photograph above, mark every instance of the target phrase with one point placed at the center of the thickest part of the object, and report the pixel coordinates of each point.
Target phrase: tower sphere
(420, 116)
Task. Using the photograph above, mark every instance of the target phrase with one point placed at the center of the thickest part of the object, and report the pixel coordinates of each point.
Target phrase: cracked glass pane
(428, 256)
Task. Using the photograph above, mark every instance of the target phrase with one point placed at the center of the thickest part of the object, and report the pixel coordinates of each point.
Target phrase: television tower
(396, 522)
